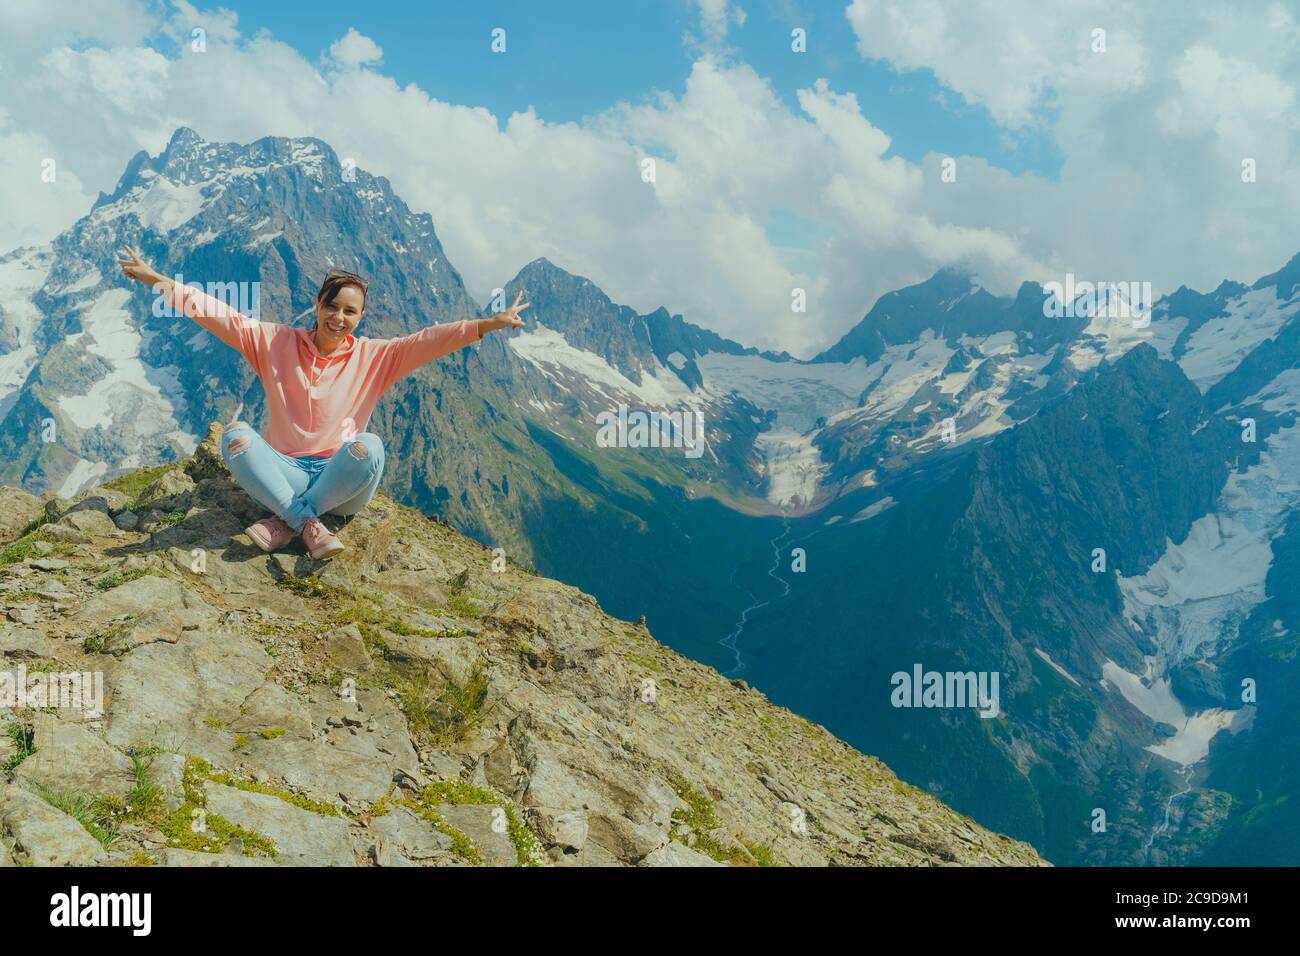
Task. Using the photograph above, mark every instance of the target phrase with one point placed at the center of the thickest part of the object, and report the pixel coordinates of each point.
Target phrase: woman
(321, 385)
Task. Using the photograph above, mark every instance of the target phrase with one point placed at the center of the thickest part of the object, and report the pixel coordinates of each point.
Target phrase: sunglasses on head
(344, 274)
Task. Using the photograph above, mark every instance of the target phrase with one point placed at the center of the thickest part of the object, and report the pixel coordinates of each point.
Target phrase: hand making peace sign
(509, 319)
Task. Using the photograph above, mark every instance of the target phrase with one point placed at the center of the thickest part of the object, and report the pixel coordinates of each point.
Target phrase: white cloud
(1153, 131)
(716, 20)
(354, 50)
(1149, 189)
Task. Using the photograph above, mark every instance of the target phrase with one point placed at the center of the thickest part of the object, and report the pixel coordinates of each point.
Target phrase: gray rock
(89, 521)
(566, 829)
(146, 610)
(108, 499)
(1199, 684)
(383, 853)
(454, 657)
(234, 568)
(343, 759)
(18, 509)
(163, 693)
(48, 564)
(43, 835)
(410, 834)
(167, 771)
(70, 756)
(301, 837)
(673, 853)
(126, 520)
(347, 649)
(174, 856)
(271, 707)
(23, 642)
(630, 842)
(485, 827)
(169, 491)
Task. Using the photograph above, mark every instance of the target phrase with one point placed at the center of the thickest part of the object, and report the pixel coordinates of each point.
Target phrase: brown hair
(337, 279)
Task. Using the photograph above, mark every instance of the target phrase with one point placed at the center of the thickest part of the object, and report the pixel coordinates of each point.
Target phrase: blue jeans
(299, 489)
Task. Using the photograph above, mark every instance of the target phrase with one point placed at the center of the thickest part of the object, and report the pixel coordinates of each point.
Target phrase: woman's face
(336, 320)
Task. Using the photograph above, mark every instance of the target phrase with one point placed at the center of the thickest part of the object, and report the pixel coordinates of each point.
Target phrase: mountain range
(1097, 509)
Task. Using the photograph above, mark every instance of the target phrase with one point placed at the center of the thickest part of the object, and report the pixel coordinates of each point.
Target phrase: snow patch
(793, 466)
(873, 509)
(1218, 346)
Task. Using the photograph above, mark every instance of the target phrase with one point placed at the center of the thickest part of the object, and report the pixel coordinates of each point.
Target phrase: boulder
(70, 756)
(410, 834)
(18, 509)
(23, 642)
(43, 835)
(487, 830)
(673, 853)
(301, 837)
(346, 648)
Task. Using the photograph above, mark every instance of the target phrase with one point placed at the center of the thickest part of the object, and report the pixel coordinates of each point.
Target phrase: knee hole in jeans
(237, 444)
(359, 450)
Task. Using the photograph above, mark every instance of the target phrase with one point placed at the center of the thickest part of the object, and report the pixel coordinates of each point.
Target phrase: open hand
(509, 319)
(133, 267)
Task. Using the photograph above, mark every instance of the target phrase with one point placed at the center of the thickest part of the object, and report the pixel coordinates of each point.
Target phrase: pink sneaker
(270, 534)
(321, 545)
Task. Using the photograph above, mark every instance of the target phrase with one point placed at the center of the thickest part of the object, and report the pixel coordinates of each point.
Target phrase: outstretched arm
(410, 352)
(232, 327)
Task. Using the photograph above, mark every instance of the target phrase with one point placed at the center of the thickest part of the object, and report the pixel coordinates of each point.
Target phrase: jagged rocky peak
(410, 703)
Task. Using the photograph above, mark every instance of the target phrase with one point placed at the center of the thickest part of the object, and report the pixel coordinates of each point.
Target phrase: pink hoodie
(316, 402)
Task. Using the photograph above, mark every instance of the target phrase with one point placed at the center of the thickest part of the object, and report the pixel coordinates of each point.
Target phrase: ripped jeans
(299, 489)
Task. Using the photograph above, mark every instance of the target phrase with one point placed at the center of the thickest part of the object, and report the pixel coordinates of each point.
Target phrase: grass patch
(91, 813)
(528, 851)
(308, 587)
(184, 830)
(440, 713)
(762, 854)
(460, 605)
(102, 641)
(271, 733)
(288, 796)
(700, 818)
(461, 845)
(24, 741)
(145, 795)
(172, 518)
(364, 611)
(118, 578)
(26, 547)
(133, 484)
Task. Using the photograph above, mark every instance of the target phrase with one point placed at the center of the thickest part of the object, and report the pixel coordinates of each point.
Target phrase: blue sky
(776, 171)
(574, 58)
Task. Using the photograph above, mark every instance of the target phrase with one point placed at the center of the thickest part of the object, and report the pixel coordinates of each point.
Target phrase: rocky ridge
(420, 700)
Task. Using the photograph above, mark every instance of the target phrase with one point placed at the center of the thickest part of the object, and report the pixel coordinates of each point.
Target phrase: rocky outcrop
(419, 701)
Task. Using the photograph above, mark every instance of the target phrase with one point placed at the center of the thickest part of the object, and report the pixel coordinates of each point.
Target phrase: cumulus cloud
(1149, 188)
(354, 50)
(1154, 123)
(716, 19)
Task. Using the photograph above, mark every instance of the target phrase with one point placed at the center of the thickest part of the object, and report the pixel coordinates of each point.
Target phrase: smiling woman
(321, 386)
